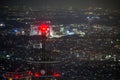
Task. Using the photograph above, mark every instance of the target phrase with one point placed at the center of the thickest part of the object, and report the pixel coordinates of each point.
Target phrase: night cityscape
(59, 40)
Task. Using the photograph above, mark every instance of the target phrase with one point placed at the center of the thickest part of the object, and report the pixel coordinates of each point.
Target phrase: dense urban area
(86, 42)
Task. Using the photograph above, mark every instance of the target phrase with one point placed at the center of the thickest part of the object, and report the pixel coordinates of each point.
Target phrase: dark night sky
(112, 4)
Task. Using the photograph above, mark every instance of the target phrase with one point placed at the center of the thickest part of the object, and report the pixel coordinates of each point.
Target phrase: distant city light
(1, 24)
(15, 30)
(69, 33)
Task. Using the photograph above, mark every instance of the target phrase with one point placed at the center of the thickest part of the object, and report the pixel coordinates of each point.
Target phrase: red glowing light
(13, 75)
(57, 75)
(29, 73)
(36, 74)
(16, 76)
(43, 28)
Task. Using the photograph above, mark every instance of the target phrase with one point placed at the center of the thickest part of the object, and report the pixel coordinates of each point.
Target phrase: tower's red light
(37, 74)
(29, 73)
(16, 76)
(43, 28)
(56, 75)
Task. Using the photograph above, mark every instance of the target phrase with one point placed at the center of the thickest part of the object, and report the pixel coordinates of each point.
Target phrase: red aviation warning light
(18, 76)
(44, 29)
(29, 73)
(36, 74)
(57, 75)
(13, 75)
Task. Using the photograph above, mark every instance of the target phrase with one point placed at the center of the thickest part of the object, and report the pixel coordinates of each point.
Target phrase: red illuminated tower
(44, 30)
(47, 68)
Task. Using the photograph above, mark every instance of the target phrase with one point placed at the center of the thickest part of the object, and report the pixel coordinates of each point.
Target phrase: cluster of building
(86, 42)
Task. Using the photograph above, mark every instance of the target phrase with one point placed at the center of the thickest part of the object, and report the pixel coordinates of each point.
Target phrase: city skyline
(59, 39)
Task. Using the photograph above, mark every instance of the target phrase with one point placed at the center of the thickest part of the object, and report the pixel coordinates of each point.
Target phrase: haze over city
(77, 4)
